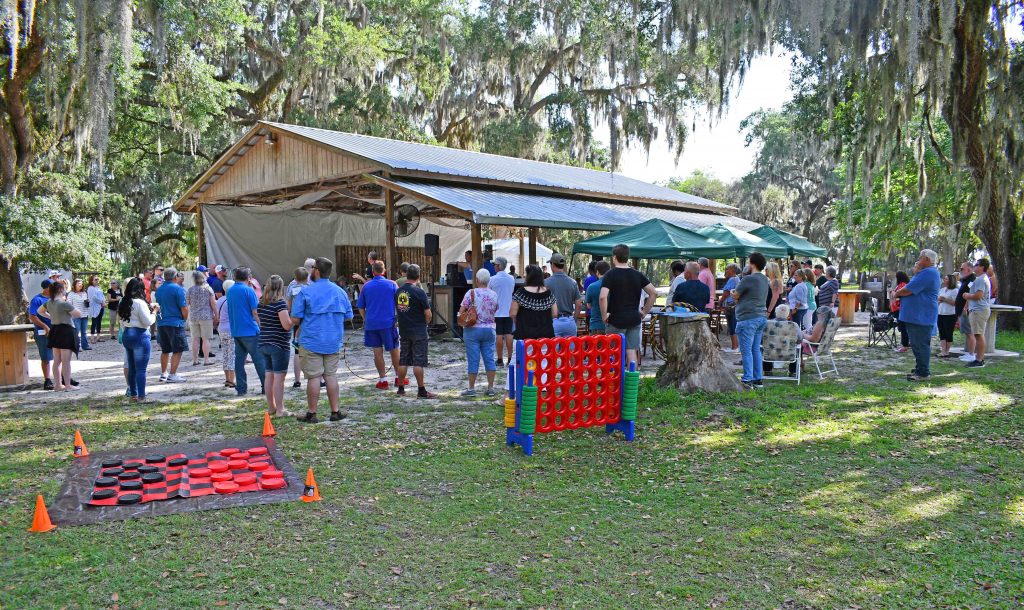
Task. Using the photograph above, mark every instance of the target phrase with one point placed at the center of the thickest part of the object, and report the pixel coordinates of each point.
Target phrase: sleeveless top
(534, 318)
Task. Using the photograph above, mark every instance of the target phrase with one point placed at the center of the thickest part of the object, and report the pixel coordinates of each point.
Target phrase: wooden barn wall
(288, 162)
(352, 259)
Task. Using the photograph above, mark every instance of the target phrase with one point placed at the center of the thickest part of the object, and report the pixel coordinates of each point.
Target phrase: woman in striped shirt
(274, 342)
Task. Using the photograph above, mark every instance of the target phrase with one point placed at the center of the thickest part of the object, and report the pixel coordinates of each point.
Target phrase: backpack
(467, 315)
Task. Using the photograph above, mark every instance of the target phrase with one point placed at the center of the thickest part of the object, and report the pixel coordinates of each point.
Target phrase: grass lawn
(870, 492)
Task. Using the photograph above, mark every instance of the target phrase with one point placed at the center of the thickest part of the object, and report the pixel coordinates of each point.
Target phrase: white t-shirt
(947, 309)
(141, 316)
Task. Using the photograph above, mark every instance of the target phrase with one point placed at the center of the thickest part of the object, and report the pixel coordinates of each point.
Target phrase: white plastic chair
(823, 349)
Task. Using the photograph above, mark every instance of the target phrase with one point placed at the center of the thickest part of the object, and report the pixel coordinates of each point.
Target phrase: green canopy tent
(797, 246)
(655, 239)
(741, 243)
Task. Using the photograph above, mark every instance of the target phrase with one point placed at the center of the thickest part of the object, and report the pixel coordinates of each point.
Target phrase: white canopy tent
(510, 248)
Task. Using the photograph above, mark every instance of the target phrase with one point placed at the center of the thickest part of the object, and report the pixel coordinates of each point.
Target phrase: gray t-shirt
(59, 312)
(566, 292)
(980, 283)
(753, 292)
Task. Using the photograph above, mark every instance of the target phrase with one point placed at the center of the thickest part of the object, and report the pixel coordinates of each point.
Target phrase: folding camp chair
(780, 345)
(823, 349)
(881, 327)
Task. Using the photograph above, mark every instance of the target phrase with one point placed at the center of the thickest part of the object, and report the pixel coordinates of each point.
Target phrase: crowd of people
(300, 325)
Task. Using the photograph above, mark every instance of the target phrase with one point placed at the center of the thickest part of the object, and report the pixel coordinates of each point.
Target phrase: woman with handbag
(79, 299)
(476, 317)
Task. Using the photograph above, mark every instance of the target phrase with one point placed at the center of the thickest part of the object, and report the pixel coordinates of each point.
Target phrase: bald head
(692, 270)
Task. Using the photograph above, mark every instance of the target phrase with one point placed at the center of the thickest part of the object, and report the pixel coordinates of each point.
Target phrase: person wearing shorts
(979, 309)
(621, 288)
(414, 317)
(376, 304)
(321, 309)
(170, 327)
(42, 325)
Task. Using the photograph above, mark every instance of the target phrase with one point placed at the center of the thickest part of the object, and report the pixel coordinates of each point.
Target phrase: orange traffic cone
(268, 427)
(311, 493)
(79, 449)
(41, 520)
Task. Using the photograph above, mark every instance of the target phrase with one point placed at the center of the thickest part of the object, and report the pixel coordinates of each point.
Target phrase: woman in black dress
(113, 300)
(533, 307)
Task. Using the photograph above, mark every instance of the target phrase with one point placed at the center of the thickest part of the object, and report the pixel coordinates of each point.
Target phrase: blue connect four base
(525, 441)
(628, 428)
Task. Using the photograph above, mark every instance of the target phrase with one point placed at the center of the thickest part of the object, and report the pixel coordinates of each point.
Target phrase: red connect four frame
(578, 379)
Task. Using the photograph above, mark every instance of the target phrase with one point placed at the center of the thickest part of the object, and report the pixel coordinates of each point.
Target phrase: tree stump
(692, 359)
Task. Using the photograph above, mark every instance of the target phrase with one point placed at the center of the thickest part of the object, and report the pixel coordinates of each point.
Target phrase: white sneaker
(967, 358)
(175, 379)
(163, 378)
(730, 350)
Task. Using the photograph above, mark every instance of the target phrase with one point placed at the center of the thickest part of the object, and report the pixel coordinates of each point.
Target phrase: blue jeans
(565, 326)
(920, 336)
(479, 342)
(138, 348)
(749, 332)
(82, 326)
(245, 346)
(275, 358)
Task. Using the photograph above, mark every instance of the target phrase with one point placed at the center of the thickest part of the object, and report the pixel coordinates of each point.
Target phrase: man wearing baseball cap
(567, 295)
(216, 279)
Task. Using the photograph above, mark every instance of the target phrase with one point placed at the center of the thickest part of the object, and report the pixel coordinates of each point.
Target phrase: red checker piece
(258, 466)
(241, 455)
(199, 472)
(246, 478)
(272, 483)
(219, 466)
(225, 487)
(273, 473)
(220, 476)
(238, 464)
(229, 451)
(257, 451)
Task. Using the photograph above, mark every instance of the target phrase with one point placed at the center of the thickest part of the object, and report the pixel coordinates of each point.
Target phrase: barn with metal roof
(309, 186)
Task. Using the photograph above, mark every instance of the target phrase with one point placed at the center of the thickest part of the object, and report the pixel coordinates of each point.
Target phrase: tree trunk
(12, 297)
(692, 360)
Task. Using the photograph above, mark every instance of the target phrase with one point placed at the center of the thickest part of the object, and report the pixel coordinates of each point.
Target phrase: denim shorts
(276, 357)
(43, 346)
(172, 339)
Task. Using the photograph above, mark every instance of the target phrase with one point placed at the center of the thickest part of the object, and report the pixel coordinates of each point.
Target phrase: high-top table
(990, 333)
(848, 300)
(13, 354)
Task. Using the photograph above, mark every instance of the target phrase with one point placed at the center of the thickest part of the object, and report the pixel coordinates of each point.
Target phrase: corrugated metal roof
(531, 210)
(411, 156)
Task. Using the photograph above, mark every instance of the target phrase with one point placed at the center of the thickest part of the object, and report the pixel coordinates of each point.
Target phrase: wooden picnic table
(13, 354)
(848, 300)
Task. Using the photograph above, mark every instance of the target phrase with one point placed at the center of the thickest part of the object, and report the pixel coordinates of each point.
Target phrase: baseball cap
(807, 261)
(218, 268)
(52, 272)
(557, 259)
(45, 283)
(202, 268)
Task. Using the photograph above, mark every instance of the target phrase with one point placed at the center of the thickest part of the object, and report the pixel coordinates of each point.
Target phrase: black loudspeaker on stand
(431, 244)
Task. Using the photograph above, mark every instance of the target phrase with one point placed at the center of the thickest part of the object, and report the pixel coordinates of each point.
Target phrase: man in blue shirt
(42, 323)
(594, 298)
(691, 290)
(216, 280)
(170, 325)
(503, 285)
(919, 311)
(376, 303)
(320, 310)
(245, 330)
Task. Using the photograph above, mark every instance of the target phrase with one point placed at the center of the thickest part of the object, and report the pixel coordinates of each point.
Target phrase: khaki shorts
(314, 365)
(201, 328)
(978, 320)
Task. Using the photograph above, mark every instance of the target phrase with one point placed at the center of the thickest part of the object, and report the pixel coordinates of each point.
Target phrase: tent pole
(475, 236)
(533, 245)
(201, 233)
(389, 226)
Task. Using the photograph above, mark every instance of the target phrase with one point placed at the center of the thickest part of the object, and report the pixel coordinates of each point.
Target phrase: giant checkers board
(164, 480)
